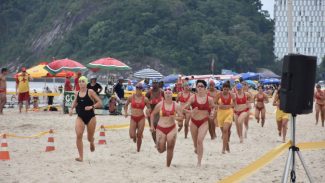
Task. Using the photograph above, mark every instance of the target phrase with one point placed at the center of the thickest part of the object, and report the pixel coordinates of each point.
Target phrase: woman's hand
(88, 108)
(70, 112)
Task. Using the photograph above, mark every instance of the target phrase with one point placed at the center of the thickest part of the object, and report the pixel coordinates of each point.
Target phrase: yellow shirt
(23, 83)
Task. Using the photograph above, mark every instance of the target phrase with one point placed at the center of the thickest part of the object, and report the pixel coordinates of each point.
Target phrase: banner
(226, 72)
(67, 100)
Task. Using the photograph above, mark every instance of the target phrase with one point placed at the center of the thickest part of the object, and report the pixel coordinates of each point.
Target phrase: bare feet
(223, 152)
(195, 151)
(227, 148)
(180, 127)
(92, 147)
(241, 140)
(79, 159)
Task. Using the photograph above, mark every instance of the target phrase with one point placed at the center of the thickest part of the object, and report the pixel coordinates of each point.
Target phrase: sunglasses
(200, 86)
(138, 87)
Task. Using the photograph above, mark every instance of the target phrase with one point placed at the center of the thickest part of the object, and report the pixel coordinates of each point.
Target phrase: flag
(212, 65)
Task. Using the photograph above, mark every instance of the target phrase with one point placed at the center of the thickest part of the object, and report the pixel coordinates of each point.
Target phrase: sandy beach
(118, 161)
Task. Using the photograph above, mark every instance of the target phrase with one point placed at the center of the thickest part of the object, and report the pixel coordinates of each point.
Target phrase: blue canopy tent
(270, 81)
(172, 78)
(250, 76)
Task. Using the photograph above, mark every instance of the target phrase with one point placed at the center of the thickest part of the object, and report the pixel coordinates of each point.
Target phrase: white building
(308, 28)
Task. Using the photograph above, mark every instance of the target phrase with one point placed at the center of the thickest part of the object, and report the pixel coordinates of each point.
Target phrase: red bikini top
(204, 106)
(183, 99)
(225, 101)
(136, 105)
(260, 99)
(166, 113)
(155, 100)
(318, 94)
(241, 100)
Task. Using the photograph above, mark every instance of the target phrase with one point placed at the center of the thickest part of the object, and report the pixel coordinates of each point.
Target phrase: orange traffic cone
(50, 142)
(102, 139)
(4, 153)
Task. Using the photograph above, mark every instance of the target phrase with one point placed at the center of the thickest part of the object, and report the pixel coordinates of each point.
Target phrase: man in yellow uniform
(22, 88)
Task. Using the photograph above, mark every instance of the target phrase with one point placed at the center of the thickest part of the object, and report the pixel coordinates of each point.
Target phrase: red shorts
(23, 97)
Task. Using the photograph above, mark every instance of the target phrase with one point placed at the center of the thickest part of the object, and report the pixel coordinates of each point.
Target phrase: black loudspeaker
(297, 84)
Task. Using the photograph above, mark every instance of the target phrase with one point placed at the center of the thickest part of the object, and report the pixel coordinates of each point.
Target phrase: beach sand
(118, 161)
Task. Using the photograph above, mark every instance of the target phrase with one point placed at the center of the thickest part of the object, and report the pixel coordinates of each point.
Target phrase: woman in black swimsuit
(85, 105)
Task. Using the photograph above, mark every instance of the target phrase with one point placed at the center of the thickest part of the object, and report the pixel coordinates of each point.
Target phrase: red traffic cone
(4, 153)
(102, 139)
(50, 142)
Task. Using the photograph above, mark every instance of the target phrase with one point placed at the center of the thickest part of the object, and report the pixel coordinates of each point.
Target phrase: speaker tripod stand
(290, 163)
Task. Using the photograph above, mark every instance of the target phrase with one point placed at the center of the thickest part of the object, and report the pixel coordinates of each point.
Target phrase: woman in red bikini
(182, 98)
(260, 98)
(250, 101)
(241, 109)
(166, 131)
(202, 105)
(319, 96)
(137, 122)
(155, 95)
(213, 92)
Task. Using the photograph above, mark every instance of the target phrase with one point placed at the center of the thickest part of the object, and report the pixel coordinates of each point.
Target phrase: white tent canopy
(148, 73)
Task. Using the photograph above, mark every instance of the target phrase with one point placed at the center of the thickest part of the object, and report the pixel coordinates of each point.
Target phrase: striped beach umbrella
(64, 64)
(148, 73)
(108, 63)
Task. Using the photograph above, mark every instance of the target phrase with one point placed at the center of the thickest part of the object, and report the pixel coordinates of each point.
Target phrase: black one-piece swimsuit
(82, 102)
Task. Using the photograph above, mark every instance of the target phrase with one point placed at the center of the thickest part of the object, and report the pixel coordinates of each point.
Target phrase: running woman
(319, 96)
(86, 100)
(182, 98)
(202, 105)
(282, 118)
(259, 99)
(225, 115)
(166, 131)
(137, 121)
(241, 108)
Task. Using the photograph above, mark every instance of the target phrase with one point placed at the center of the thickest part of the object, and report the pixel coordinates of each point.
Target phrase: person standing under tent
(22, 89)
(3, 89)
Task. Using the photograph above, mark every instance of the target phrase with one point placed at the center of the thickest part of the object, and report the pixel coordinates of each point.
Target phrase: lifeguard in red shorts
(22, 88)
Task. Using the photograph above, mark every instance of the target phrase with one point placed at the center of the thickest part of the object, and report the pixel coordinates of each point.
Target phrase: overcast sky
(268, 5)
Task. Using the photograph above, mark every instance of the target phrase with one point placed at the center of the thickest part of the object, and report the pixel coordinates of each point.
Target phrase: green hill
(169, 35)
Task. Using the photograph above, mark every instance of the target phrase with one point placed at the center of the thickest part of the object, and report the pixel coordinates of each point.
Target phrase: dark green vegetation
(171, 35)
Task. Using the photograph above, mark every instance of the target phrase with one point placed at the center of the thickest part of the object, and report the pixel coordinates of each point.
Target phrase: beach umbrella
(64, 64)
(172, 78)
(108, 63)
(39, 71)
(148, 73)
